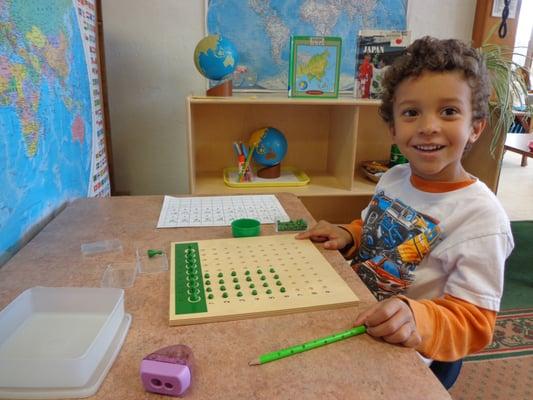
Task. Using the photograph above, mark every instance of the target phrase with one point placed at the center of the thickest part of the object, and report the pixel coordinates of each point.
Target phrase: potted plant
(508, 86)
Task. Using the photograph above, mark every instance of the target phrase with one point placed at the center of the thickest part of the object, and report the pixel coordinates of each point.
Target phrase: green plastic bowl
(245, 227)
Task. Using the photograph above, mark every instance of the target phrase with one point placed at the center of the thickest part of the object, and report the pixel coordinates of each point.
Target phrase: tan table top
(518, 142)
(359, 367)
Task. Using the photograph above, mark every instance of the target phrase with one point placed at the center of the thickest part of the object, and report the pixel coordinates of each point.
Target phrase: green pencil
(313, 344)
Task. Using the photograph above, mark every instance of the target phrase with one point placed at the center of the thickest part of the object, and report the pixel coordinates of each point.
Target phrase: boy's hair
(430, 54)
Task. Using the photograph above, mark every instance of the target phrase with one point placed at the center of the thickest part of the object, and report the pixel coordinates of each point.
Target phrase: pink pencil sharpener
(168, 370)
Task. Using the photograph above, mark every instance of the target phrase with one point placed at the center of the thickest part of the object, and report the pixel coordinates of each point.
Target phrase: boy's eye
(409, 113)
(449, 111)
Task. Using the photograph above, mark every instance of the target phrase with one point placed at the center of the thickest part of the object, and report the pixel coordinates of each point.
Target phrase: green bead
(276, 276)
(269, 291)
(239, 294)
(278, 283)
(208, 289)
(247, 272)
(220, 275)
(151, 253)
(248, 279)
(206, 276)
(223, 288)
(254, 292)
(272, 270)
(282, 289)
(252, 285)
(208, 282)
(221, 281)
(265, 284)
(237, 286)
(225, 295)
(259, 271)
(233, 273)
(235, 280)
(210, 296)
(263, 277)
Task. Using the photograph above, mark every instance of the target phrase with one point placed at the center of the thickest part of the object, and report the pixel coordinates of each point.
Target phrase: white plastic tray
(60, 342)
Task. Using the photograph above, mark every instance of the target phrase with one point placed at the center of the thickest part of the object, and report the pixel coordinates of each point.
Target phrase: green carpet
(518, 287)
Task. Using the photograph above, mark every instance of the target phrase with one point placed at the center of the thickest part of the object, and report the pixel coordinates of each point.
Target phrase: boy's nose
(429, 125)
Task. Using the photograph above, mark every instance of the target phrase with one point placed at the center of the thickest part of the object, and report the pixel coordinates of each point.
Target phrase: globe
(270, 146)
(215, 57)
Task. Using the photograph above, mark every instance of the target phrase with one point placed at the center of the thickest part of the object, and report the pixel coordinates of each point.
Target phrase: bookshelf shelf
(327, 139)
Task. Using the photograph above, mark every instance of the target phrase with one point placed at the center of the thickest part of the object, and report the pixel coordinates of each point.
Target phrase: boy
(433, 241)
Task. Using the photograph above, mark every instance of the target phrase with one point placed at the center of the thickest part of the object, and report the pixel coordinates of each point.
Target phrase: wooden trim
(484, 22)
(104, 96)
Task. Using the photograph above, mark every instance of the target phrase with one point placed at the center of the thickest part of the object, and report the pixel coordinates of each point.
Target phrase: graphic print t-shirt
(395, 239)
(424, 244)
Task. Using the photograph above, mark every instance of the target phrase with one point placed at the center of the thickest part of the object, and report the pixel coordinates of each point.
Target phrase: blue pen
(245, 150)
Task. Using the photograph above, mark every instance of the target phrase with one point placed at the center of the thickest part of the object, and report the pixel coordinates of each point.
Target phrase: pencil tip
(254, 362)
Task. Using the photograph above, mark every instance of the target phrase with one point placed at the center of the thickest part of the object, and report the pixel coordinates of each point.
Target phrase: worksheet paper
(180, 212)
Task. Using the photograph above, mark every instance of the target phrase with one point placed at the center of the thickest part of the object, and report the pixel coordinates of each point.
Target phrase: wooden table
(518, 143)
(359, 367)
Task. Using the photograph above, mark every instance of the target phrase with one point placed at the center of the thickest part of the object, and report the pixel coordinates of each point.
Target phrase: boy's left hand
(393, 321)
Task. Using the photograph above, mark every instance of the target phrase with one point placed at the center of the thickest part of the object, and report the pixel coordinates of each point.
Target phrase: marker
(313, 344)
(244, 150)
(237, 149)
(247, 162)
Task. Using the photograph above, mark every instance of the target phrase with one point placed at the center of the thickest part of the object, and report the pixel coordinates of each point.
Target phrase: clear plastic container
(150, 261)
(119, 275)
(103, 246)
(60, 342)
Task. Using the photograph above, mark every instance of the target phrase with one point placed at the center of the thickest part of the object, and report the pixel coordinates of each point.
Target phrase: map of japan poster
(261, 32)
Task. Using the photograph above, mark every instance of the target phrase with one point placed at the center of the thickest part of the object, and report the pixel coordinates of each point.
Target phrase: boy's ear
(477, 128)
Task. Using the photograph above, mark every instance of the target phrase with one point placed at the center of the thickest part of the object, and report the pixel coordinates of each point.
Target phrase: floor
(507, 378)
(515, 189)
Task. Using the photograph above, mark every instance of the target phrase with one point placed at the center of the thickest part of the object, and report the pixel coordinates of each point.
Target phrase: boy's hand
(333, 237)
(393, 321)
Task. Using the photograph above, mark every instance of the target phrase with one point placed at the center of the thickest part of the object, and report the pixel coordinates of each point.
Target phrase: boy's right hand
(332, 237)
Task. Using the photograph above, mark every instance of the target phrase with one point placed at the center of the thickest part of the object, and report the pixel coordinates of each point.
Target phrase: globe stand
(270, 172)
(225, 89)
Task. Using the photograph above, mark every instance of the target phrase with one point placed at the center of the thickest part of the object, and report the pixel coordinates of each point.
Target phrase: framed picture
(376, 50)
(314, 66)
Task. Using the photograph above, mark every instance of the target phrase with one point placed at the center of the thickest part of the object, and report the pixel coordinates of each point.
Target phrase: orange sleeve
(355, 228)
(451, 328)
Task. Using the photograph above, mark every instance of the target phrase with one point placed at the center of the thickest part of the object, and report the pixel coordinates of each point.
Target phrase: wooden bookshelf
(328, 139)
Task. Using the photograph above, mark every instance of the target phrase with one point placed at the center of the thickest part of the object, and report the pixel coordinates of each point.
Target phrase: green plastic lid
(245, 227)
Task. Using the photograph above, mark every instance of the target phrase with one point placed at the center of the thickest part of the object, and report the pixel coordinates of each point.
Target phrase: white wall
(149, 47)
(443, 19)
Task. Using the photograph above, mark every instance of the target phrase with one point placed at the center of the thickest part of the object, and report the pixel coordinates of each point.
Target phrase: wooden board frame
(297, 275)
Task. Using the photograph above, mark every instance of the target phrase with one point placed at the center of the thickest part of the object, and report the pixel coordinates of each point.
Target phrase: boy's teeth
(431, 147)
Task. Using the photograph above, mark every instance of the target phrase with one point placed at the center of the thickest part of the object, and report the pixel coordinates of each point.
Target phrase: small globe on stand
(270, 147)
(215, 58)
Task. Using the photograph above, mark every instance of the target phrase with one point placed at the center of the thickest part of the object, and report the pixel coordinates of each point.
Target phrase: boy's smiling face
(433, 124)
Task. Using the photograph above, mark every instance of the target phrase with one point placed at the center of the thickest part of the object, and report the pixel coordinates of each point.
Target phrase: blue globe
(271, 146)
(215, 57)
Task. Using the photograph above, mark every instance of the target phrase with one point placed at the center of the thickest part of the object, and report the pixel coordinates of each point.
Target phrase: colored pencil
(313, 344)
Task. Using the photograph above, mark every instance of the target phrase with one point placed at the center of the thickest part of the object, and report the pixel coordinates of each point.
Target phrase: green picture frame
(314, 66)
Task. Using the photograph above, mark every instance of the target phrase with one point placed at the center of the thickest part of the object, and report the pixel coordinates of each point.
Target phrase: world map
(46, 117)
(261, 31)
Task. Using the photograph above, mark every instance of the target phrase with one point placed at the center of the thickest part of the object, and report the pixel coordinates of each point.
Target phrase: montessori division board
(227, 279)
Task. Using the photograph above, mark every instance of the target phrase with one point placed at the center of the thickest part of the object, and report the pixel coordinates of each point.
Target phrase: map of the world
(261, 31)
(51, 133)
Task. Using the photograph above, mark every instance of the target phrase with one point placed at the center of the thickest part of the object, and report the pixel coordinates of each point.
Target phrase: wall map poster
(261, 31)
(52, 139)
